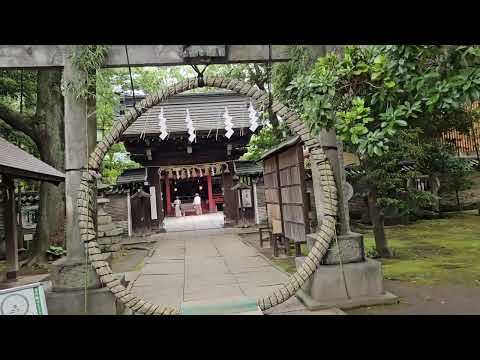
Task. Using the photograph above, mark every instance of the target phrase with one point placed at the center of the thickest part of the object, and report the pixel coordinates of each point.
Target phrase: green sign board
(23, 300)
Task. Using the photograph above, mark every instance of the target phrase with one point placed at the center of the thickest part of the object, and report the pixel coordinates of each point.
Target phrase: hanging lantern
(162, 123)
(190, 128)
(228, 123)
(252, 114)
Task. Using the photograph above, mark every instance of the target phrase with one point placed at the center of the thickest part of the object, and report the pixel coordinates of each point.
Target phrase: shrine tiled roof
(19, 163)
(245, 167)
(131, 176)
(206, 111)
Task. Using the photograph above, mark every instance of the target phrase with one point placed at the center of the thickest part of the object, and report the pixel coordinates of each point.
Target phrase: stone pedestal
(359, 284)
(345, 278)
(348, 250)
(68, 274)
(99, 302)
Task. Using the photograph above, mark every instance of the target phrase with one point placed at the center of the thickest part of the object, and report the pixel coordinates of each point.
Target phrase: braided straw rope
(86, 206)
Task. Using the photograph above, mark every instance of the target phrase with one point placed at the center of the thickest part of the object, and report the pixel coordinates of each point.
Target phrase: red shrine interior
(208, 187)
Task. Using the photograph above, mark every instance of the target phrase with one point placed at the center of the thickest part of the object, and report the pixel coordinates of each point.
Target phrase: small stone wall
(109, 233)
(117, 207)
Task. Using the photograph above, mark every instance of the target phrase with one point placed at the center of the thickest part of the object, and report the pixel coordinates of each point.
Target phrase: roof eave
(15, 172)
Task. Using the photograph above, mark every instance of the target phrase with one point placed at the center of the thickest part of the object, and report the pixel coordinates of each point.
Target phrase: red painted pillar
(167, 193)
(211, 202)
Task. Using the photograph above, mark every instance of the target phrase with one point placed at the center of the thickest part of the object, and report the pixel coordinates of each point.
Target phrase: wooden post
(211, 202)
(168, 195)
(11, 244)
(230, 199)
(129, 214)
(255, 202)
(20, 219)
(154, 181)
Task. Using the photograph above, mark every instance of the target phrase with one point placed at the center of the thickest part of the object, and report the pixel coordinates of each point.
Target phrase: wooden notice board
(272, 195)
(285, 192)
(293, 193)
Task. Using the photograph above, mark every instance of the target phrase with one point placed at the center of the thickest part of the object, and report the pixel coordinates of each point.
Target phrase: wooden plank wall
(272, 195)
(293, 197)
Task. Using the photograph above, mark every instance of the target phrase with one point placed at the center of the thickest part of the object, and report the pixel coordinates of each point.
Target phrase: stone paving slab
(257, 291)
(261, 278)
(213, 292)
(164, 268)
(205, 281)
(207, 265)
(160, 281)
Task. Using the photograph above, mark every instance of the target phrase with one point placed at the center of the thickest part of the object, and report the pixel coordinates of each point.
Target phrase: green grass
(432, 251)
(427, 251)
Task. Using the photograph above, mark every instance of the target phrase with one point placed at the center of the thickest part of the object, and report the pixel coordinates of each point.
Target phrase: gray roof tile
(206, 111)
(19, 163)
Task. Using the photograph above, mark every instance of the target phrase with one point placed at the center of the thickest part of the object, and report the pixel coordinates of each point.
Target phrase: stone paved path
(204, 264)
(194, 222)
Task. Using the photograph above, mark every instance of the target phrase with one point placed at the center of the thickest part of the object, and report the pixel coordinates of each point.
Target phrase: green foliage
(370, 94)
(457, 176)
(88, 59)
(13, 85)
(267, 138)
(56, 252)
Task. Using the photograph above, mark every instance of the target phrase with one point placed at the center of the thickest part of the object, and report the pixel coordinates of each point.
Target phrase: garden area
(434, 262)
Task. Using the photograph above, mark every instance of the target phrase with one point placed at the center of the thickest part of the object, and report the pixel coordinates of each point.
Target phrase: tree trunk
(49, 129)
(457, 195)
(435, 185)
(377, 217)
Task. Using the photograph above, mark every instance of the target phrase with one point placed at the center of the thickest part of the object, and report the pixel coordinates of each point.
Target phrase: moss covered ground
(427, 251)
(433, 251)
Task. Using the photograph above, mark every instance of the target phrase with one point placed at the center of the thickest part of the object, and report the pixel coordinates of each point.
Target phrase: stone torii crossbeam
(70, 277)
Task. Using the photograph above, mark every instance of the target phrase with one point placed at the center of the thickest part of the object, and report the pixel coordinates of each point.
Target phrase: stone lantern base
(356, 281)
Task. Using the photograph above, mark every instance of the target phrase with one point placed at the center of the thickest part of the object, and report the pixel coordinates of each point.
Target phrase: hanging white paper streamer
(190, 128)
(228, 123)
(252, 114)
(163, 125)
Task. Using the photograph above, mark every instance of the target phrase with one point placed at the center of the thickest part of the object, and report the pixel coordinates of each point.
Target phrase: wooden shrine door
(293, 194)
(141, 213)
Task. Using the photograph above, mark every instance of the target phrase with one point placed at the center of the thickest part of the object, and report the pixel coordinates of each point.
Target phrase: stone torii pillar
(345, 278)
(70, 273)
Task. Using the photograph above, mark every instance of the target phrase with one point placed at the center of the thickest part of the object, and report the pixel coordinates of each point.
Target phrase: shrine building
(191, 144)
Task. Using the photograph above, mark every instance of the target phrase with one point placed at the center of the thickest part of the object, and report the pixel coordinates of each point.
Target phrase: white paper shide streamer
(162, 122)
(252, 114)
(228, 124)
(190, 128)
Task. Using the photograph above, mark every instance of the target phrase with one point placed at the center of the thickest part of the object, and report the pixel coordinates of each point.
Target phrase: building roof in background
(18, 163)
(282, 146)
(246, 167)
(131, 176)
(206, 111)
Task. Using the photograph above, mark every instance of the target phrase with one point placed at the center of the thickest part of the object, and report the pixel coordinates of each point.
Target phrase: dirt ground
(421, 299)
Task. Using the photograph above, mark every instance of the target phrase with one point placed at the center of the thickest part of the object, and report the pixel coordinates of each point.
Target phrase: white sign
(247, 198)
(23, 300)
(153, 203)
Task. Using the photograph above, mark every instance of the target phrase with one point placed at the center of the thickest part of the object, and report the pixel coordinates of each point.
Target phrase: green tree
(41, 126)
(369, 94)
